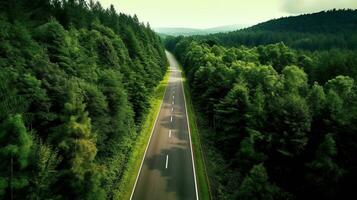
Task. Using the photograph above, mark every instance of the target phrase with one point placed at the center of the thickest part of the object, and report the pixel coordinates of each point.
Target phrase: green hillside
(318, 31)
(75, 82)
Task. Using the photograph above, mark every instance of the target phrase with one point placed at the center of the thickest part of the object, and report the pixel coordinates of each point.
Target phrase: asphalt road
(167, 172)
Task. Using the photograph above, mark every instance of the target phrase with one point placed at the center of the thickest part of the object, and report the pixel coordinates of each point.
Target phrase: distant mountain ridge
(176, 31)
(317, 31)
(324, 21)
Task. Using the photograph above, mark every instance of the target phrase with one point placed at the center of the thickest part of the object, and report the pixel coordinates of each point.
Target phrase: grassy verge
(129, 177)
(201, 174)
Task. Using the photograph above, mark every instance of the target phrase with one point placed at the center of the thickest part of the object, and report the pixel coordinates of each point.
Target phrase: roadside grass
(126, 184)
(201, 174)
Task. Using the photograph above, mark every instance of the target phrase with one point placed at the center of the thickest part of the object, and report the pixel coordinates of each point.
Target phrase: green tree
(324, 173)
(256, 185)
(295, 79)
(80, 176)
(45, 160)
(120, 113)
(341, 96)
(257, 110)
(342, 85)
(317, 99)
(290, 122)
(15, 150)
(247, 155)
(59, 45)
(231, 118)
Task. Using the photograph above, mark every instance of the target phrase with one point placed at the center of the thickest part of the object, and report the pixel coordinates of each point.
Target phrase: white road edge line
(167, 161)
(170, 133)
(189, 135)
(147, 146)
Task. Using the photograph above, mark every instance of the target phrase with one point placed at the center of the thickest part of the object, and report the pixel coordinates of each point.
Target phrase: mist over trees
(75, 83)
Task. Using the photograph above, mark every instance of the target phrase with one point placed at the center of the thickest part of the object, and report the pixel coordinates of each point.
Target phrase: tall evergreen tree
(15, 150)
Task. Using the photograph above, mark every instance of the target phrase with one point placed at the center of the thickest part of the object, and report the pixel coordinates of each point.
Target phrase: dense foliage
(75, 82)
(319, 31)
(270, 132)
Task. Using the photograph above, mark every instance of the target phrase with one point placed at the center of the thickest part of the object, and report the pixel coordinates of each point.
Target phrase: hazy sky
(212, 13)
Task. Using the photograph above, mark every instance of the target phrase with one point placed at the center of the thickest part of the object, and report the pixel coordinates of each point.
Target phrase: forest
(276, 122)
(325, 30)
(75, 83)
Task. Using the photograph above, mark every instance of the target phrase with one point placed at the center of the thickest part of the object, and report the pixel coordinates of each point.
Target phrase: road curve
(167, 172)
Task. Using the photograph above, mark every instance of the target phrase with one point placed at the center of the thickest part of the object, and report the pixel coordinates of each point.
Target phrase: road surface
(167, 171)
